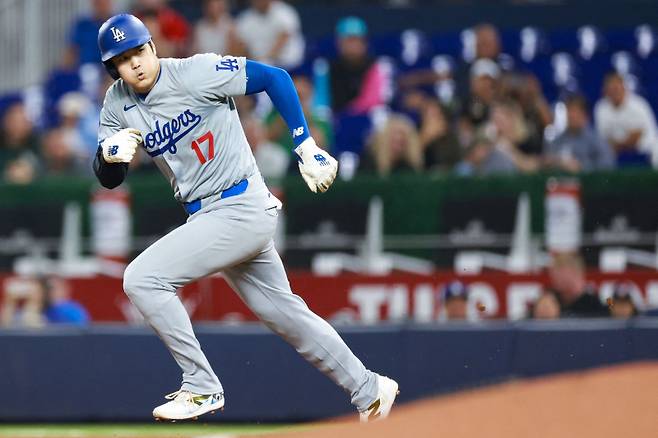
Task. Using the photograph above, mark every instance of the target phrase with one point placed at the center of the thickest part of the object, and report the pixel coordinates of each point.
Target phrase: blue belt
(194, 206)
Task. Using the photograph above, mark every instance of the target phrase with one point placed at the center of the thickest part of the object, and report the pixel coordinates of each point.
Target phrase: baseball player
(181, 111)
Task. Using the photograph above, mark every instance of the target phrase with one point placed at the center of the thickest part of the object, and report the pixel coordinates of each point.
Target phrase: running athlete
(182, 113)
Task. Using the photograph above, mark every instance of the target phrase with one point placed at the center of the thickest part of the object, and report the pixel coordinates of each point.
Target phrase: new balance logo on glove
(321, 159)
(317, 167)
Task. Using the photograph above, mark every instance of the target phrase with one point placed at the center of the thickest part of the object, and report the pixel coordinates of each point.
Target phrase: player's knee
(133, 280)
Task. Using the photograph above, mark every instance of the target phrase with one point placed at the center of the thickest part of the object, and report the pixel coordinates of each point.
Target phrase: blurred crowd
(568, 294)
(34, 302)
(40, 301)
(481, 116)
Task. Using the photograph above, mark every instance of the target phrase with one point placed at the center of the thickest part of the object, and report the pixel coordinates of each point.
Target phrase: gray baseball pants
(234, 236)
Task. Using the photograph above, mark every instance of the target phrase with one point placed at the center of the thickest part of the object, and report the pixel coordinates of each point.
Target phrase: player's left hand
(317, 167)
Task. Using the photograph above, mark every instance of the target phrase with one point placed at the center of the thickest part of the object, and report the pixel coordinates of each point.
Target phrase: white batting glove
(317, 167)
(121, 147)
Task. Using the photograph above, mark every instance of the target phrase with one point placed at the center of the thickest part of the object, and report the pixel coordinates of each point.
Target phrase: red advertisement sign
(360, 298)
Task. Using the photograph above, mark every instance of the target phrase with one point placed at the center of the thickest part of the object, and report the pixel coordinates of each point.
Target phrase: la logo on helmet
(117, 34)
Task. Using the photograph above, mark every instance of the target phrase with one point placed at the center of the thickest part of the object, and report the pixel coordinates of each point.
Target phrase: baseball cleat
(186, 405)
(386, 392)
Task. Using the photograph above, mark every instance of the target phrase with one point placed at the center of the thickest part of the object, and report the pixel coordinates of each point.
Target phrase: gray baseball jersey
(189, 123)
(191, 129)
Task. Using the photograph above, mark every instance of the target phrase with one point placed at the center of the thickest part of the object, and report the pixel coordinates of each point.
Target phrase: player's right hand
(121, 147)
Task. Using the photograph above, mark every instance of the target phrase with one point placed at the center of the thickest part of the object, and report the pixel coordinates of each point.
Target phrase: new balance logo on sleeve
(297, 132)
(113, 150)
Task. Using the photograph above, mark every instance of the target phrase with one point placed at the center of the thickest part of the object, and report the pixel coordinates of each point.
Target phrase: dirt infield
(620, 401)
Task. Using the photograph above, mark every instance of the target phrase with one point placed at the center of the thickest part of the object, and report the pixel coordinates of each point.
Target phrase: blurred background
(497, 170)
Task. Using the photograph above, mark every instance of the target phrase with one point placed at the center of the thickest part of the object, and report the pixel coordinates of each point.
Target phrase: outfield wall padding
(119, 373)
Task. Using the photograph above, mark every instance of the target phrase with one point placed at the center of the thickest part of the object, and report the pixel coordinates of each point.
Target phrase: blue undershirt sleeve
(278, 85)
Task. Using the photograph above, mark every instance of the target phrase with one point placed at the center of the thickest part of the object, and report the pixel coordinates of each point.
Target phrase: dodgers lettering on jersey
(189, 123)
(164, 140)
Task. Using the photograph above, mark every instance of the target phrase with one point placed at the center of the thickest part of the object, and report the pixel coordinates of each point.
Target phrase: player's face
(138, 67)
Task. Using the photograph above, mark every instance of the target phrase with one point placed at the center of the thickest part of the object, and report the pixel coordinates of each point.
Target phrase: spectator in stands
(169, 29)
(84, 32)
(62, 79)
(626, 121)
(437, 138)
(487, 42)
(547, 306)
(537, 114)
(579, 147)
(320, 126)
(622, 305)
(22, 303)
(454, 296)
(483, 92)
(356, 80)
(79, 125)
(166, 47)
(216, 32)
(356, 86)
(35, 302)
(482, 157)
(510, 131)
(271, 32)
(272, 159)
(58, 306)
(394, 148)
(567, 279)
(58, 155)
(246, 105)
(19, 146)
(487, 47)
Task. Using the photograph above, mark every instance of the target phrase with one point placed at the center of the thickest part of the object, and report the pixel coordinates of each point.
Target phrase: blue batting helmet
(120, 33)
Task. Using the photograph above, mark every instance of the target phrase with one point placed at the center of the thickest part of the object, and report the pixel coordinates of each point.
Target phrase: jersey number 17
(207, 137)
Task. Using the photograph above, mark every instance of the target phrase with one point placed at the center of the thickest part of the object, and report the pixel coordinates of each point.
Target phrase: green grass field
(178, 430)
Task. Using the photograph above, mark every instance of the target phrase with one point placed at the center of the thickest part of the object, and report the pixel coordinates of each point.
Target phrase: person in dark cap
(454, 295)
(622, 305)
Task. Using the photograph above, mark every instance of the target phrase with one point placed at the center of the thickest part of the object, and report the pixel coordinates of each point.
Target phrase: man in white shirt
(215, 31)
(626, 121)
(271, 32)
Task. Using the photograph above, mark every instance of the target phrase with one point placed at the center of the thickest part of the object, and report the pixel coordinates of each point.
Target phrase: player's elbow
(110, 184)
(280, 75)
